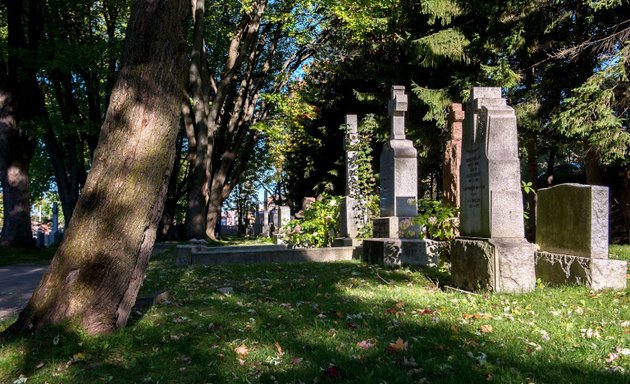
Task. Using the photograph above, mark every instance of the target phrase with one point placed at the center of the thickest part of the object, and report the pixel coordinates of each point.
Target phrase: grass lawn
(9, 256)
(337, 323)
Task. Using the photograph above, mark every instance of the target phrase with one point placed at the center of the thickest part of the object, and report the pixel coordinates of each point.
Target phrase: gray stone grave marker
(352, 210)
(396, 234)
(492, 252)
(572, 236)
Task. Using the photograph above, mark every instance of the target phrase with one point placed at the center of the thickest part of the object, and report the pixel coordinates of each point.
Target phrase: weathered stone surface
(395, 227)
(572, 219)
(350, 220)
(399, 164)
(283, 216)
(491, 198)
(397, 107)
(498, 265)
(396, 235)
(394, 252)
(399, 179)
(556, 269)
(452, 156)
(353, 214)
(493, 254)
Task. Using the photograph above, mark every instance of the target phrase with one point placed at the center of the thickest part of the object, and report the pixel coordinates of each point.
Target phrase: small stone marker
(282, 217)
(572, 236)
(492, 252)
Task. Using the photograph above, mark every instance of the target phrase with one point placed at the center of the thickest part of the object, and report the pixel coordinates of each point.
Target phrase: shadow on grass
(10, 256)
(292, 323)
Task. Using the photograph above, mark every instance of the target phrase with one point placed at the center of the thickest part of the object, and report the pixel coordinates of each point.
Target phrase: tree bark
(591, 164)
(199, 80)
(94, 277)
(16, 151)
(19, 113)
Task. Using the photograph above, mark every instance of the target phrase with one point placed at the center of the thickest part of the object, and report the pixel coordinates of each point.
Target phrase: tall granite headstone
(352, 209)
(396, 233)
(492, 252)
(572, 238)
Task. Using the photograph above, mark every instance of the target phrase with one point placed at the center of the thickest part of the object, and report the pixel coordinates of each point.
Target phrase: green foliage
(592, 113)
(437, 101)
(501, 75)
(528, 187)
(437, 220)
(443, 10)
(318, 228)
(447, 44)
(363, 188)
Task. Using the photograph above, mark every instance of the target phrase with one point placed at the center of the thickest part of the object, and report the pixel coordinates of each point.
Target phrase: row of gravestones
(492, 252)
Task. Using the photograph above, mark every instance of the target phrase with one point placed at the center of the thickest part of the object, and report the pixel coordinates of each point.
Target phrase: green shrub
(437, 220)
(318, 228)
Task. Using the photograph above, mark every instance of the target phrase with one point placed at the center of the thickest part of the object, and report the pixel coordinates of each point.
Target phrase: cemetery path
(17, 283)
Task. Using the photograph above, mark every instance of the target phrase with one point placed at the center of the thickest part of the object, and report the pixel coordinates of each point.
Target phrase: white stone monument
(492, 252)
(396, 234)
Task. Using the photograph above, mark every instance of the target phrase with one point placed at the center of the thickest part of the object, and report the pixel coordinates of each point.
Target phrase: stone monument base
(557, 268)
(347, 242)
(498, 265)
(392, 252)
(396, 227)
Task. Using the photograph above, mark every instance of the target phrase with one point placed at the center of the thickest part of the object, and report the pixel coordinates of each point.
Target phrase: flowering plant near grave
(318, 228)
(438, 221)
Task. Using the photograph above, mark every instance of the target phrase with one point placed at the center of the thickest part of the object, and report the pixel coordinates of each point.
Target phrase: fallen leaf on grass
(590, 333)
(411, 362)
(486, 328)
(399, 346)
(425, 311)
(278, 348)
(477, 316)
(332, 372)
(241, 351)
(365, 344)
(612, 357)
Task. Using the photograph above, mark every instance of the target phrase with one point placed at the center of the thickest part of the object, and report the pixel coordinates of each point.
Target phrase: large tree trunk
(16, 151)
(20, 112)
(199, 82)
(97, 271)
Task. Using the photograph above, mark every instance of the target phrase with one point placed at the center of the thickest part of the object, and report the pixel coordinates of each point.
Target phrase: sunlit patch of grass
(621, 252)
(341, 322)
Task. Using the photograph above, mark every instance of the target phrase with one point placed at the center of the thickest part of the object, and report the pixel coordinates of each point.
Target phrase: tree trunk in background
(199, 79)
(591, 164)
(20, 111)
(97, 271)
(532, 176)
(16, 151)
(625, 200)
